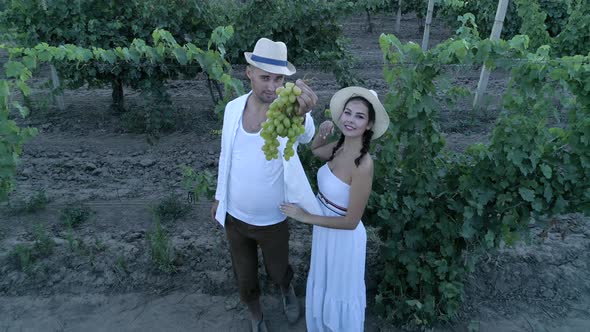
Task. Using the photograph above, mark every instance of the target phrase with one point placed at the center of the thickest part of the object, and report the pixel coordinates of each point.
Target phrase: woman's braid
(367, 135)
(337, 146)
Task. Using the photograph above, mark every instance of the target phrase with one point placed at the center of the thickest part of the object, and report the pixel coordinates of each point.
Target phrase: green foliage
(309, 28)
(534, 24)
(468, 28)
(12, 136)
(171, 208)
(24, 256)
(121, 265)
(107, 25)
(485, 13)
(44, 243)
(74, 215)
(340, 62)
(198, 184)
(375, 6)
(557, 14)
(34, 203)
(562, 24)
(147, 66)
(420, 8)
(72, 242)
(574, 38)
(391, 6)
(158, 62)
(165, 51)
(154, 115)
(370, 7)
(438, 210)
(570, 37)
(161, 249)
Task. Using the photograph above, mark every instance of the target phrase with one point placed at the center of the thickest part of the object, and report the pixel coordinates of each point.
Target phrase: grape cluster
(282, 120)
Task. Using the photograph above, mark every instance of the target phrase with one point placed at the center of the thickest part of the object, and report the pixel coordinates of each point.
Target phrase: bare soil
(100, 276)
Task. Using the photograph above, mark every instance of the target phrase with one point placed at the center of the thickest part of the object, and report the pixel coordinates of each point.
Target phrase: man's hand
(307, 99)
(214, 209)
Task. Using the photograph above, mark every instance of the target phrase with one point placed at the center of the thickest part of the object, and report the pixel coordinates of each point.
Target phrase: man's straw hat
(271, 57)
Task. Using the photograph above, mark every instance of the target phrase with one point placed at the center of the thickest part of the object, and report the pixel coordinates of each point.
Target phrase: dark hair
(367, 135)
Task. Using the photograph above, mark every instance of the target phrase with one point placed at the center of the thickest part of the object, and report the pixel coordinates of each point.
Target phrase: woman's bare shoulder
(365, 166)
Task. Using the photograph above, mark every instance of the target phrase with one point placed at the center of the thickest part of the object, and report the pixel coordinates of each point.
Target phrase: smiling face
(264, 84)
(356, 118)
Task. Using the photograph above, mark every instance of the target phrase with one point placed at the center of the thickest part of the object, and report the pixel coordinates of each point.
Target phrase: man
(250, 188)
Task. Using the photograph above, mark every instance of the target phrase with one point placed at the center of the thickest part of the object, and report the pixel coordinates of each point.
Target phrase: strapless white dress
(336, 293)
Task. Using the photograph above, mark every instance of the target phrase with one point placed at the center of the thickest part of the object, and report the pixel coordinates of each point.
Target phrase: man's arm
(307, 100)
(220, 181)
(221, 185)
(309, 130)
(221, 164)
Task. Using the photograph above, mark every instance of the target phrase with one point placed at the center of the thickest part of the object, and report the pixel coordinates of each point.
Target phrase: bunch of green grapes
(282, 120)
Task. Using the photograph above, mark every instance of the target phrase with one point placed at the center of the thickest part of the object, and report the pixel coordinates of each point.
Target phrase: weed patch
(171, 208)
(161, 249)
(75, 215)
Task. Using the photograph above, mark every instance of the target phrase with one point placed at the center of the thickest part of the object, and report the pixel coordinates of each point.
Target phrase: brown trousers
(244, 240)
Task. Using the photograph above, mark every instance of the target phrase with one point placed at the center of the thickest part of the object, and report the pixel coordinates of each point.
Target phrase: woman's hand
(326, 129)
(293, 211)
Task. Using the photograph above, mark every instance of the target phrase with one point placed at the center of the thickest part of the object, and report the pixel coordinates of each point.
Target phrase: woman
(336, 297)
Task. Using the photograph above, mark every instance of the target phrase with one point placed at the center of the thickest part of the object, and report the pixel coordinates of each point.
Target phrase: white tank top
(255, 185)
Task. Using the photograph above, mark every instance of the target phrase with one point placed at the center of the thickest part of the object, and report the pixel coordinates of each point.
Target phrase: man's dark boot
(258, 325)
(290, 305)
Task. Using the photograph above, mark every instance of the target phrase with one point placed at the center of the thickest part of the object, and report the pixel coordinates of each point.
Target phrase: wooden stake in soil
(369, 23)
(485, 73)
(59, 97)
(426, 36)
(399, 16)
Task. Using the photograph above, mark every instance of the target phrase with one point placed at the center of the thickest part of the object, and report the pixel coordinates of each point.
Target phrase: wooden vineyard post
(426, 36)
(369, 23)
(485, 72)
(399, 16)
(59, 98)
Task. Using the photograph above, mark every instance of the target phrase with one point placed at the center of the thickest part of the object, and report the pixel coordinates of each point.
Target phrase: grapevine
(284, 121)
(439, 210)
(23, 61)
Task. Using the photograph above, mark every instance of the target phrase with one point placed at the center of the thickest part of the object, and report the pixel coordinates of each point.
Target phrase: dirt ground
(100, 276)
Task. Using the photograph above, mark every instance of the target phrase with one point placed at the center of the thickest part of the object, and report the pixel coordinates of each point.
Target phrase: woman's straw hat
(342, 96)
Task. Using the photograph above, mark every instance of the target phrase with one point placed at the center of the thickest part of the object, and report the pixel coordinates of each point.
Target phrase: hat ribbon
(269, 61)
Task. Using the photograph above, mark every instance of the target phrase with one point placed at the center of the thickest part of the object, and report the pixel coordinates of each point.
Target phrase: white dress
(335, 296)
